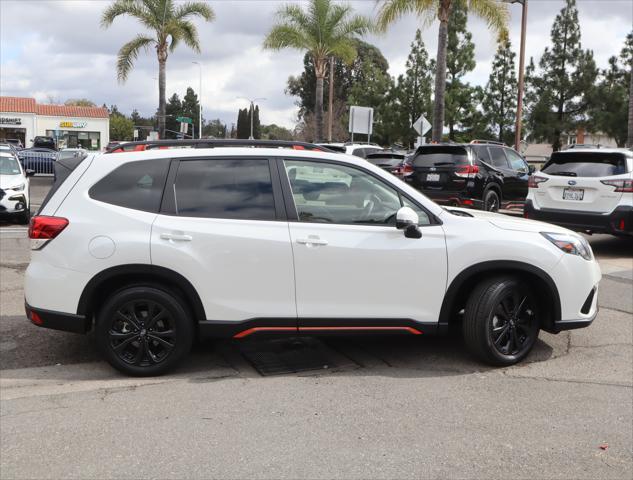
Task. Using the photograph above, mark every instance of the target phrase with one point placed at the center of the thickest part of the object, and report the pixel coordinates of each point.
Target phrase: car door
(222, 226)
(520, 172)
(499, 160)
(352, 266)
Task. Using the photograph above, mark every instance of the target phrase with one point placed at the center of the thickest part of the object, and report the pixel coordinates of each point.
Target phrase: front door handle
(176, 237)
(312, 240)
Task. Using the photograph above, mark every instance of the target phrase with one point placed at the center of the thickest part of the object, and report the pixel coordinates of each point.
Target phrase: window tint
(137, 185)
(516, 162)
(440, 156)
(221, 188)
(586, 164)
(497, 157)
(329, 193)
(481, 153)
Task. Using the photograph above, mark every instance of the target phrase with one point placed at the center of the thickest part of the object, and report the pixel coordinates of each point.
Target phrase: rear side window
(481, 153)
(516, 162)
(239, 189)
(440, 156)
(497, 157)
(136, 185)
(586, 164)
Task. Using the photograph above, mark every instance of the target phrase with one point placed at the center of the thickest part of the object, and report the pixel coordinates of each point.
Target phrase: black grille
(587, 305)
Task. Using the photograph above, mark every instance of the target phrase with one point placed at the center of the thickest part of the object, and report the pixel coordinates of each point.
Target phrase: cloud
(60, 50)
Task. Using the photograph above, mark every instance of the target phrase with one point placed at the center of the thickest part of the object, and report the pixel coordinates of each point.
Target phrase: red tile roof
(28, 105)
(17, 104)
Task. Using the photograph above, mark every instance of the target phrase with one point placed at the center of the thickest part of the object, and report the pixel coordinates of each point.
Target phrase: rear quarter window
(586, 164)
(136, 185)
(440, 156)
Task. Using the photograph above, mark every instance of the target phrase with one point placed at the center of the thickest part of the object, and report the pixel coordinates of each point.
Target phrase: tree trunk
(318, 109)
(162, 102)
(440, 79)
(629, 140)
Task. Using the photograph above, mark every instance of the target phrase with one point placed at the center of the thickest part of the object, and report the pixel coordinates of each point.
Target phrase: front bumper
(620, 221)
(13, 202)
(66, 322)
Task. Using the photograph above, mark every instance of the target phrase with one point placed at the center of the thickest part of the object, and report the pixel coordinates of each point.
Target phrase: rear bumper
(454, 199)
(620, 221)
(66, 322)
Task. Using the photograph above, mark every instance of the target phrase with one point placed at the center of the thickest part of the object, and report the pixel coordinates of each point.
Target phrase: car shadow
(70, 357)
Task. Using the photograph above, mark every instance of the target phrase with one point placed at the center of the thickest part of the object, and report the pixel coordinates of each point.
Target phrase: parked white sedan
(14, 188)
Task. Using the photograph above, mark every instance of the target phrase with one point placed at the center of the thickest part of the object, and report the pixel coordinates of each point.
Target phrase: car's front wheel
(501, 321)
(144, 331)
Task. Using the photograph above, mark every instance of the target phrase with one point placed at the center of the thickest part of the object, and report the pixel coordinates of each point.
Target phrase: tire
(25, 217)
(501, 321)
(144, 331)
(491, 200)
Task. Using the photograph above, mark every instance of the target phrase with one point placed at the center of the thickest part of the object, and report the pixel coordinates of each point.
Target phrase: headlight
(570, 244)
(17, 188)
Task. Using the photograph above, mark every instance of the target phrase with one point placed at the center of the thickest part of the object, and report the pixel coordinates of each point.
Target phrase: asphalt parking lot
(394, 407)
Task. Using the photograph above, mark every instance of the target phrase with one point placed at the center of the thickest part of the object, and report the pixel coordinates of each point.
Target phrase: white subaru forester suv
(153, 248)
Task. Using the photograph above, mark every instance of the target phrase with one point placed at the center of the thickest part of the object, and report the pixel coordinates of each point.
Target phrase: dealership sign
(10, 121)
(72, 124)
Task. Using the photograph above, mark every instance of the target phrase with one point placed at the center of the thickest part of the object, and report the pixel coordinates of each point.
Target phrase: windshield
(9, 166)
(586, 164)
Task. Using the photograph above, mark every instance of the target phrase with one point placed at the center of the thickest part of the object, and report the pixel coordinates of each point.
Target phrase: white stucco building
(24, 119)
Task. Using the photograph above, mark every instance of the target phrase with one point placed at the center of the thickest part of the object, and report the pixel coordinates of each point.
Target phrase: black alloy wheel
(142, 333)
(501, 321)
(491, 201)
(144, 330)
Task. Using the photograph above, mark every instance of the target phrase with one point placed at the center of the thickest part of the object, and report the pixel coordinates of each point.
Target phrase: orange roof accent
(28, 105)
(18, 104)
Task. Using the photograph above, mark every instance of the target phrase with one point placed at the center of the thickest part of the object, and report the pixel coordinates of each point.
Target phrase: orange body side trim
(250, 331)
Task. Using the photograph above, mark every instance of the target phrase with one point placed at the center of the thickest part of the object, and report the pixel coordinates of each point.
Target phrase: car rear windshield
(586, 164)
(440, 156)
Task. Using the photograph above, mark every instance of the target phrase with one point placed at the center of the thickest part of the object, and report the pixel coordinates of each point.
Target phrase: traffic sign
(422, 125)
(184, 120)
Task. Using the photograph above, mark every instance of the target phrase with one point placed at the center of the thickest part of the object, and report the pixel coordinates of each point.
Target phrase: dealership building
(71, 127)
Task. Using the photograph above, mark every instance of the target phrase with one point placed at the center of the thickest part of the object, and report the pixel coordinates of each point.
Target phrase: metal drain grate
(278, 356)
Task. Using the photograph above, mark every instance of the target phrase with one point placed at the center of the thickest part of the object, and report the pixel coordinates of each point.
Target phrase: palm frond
(121, 7)
(286, 36)
(129, 53)
(194, 9)
(392, 10)
(493, 12)
(186, 31)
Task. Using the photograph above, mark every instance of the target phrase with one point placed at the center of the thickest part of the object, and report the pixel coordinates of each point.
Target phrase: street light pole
(252, 102)
(199, 102)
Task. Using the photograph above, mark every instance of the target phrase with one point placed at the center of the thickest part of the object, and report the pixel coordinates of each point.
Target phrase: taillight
(43, 229)
(404, 170)
(534, 180)
(467, 171)
(625, 186)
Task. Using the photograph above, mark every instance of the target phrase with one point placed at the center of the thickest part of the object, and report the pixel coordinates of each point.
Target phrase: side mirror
(407, 220)
(29, 172)
(531, 169)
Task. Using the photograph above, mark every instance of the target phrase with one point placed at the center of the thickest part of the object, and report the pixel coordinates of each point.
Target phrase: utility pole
(331, 101)
(199, 102)
(519, 119)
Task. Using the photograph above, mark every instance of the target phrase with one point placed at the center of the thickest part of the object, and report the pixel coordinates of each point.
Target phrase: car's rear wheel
(501, 322)
(144, 331)
(491, 200)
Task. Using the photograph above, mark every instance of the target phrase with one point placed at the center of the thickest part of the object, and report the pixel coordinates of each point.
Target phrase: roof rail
(371, 144)
(491, 142)
(214, 143)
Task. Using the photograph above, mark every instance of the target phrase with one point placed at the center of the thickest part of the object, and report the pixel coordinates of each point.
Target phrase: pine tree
(627, 59)
(191, 109)
(499, 101)
(257, 126)
(172, 110)
(460, 60)
(559, 93)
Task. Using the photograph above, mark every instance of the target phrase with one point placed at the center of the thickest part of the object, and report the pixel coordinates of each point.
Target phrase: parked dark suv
(480, 174)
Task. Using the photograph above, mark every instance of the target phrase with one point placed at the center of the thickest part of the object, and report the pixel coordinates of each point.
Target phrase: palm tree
(494, 12)
(169, 25)
(325, 29)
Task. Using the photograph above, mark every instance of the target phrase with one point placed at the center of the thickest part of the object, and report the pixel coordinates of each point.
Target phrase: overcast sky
(51, 48)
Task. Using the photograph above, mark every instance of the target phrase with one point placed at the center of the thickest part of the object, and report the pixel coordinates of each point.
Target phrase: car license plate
(432, 177)
(573, 193)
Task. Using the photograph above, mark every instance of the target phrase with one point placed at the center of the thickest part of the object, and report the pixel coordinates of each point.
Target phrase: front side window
(138, 185)
(239, 189)
(516, 162)
(330, 193)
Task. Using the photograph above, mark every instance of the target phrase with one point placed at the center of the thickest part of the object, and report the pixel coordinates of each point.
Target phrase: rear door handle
(312, 240)
(176, 237)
